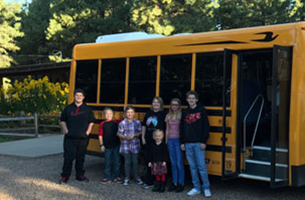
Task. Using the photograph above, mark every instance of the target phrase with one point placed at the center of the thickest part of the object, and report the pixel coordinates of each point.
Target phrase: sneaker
(207, 193)
(126, 182)
(172, 187)
(179, 188)
(193, 192)
(82, 178)
(118, 180)
(139, 181)
(105, 181)
(63, 180)
(146, 186)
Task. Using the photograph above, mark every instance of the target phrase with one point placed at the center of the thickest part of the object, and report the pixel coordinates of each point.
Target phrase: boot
(162, 187)
(157, 186)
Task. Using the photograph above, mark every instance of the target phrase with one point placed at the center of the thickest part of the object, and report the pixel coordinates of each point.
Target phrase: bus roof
(242, 38)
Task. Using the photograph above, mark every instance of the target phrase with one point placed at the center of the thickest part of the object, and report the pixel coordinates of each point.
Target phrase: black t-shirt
(77, 120)
(158, 152)
(109, 130)
(153, 121)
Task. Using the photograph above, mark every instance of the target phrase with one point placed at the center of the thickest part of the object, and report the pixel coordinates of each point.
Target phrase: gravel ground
(31, 179)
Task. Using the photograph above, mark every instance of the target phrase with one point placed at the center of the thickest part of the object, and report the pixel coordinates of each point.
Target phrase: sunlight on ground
(51, 186)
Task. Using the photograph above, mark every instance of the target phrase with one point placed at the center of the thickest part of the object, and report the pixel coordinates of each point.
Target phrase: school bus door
(230, 149)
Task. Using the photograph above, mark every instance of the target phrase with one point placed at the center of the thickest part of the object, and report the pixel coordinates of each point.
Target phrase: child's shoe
(162, 187)
(118, 180)
(105, 181)
(207, 193)
(82, 178)
(179, 188)
(172, 187)
(157, 186)
(139, 181)
(126, 182)
(63, 180)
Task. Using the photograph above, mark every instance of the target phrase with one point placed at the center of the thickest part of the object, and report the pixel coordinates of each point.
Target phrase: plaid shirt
(128, 129)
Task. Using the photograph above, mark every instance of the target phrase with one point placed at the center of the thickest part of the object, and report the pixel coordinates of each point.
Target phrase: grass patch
(10, 138)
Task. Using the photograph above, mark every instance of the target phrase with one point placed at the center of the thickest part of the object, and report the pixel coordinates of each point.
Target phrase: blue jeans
(176, 156)
(196, 160)
(112, 163)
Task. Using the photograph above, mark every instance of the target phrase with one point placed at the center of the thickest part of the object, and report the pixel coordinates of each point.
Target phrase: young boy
(110, 144)
(194, 132)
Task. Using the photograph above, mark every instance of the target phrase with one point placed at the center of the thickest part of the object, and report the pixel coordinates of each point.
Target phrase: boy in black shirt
(110, 144)
(77, 121)
(194, 133)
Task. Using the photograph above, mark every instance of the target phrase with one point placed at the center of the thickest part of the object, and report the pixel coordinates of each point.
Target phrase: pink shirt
(174, 127)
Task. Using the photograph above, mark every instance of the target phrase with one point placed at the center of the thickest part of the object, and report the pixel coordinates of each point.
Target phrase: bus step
(262, 168)
(261, 178)
(263, 153)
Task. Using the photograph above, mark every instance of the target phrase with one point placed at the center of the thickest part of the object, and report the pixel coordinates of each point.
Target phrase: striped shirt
(128, 129)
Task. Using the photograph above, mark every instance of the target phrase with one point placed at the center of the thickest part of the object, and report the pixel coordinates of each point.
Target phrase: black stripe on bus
(218, 113)
(218, 148)
(93, 136)
(215, 43)
(216, 129)
(94, 153)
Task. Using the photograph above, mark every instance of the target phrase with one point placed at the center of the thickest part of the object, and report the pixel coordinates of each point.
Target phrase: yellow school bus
(250, 80)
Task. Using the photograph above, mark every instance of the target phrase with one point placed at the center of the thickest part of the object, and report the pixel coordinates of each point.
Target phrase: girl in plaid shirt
(129, 131)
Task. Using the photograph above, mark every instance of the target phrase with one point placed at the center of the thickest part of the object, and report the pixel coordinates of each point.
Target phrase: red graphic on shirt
(193, 117)
(77, 112)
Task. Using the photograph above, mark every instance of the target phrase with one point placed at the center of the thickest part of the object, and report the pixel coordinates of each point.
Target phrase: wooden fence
(33, 128)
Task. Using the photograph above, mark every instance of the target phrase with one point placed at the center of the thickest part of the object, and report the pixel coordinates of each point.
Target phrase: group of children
(162, 135)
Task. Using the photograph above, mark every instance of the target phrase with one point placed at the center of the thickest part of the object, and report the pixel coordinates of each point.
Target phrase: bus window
(142, 80)
(175, 77)
(113, 80)
(86, 78)
(209, 78)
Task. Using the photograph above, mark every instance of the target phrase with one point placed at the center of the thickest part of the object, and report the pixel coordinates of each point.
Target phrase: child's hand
(102, 148)
(149, 164)
(131, 137)
(164, 164)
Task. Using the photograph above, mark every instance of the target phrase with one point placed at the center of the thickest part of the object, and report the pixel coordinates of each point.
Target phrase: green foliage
(9, 31)
(81, 22)
(247, 13)
(168, 17)
(35, 20)
(30, 96)
(53, 27)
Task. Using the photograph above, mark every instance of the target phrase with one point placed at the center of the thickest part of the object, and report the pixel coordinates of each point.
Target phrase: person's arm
(138, 131)
(63, 119)
(89, 129)
(91, 124)
(205, 128)
(64, 127)
(143, 135)
(121, 131)
(182, 132)
(166, 132)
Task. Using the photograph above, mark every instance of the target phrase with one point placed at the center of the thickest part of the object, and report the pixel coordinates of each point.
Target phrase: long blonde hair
(171, 113)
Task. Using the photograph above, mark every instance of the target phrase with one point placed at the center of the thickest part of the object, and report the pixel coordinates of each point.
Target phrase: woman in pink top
(172, 139)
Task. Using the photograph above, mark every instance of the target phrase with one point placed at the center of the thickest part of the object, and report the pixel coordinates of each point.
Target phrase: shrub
(30, 95)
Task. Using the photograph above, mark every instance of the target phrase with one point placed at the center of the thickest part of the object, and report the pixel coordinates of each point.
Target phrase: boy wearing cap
(77, 121)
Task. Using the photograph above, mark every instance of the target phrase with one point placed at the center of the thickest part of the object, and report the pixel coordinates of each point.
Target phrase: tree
(9, 31)
(168, 17)
(247, 13)
(35, 21)
(80, 22)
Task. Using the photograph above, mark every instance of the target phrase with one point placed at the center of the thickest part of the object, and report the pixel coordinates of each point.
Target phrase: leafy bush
(30, 95)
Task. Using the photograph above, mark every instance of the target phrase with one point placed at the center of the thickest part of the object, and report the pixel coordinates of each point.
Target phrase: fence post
(36, 124)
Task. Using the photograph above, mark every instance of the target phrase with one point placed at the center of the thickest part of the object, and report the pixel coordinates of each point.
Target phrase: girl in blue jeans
(172, 120)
